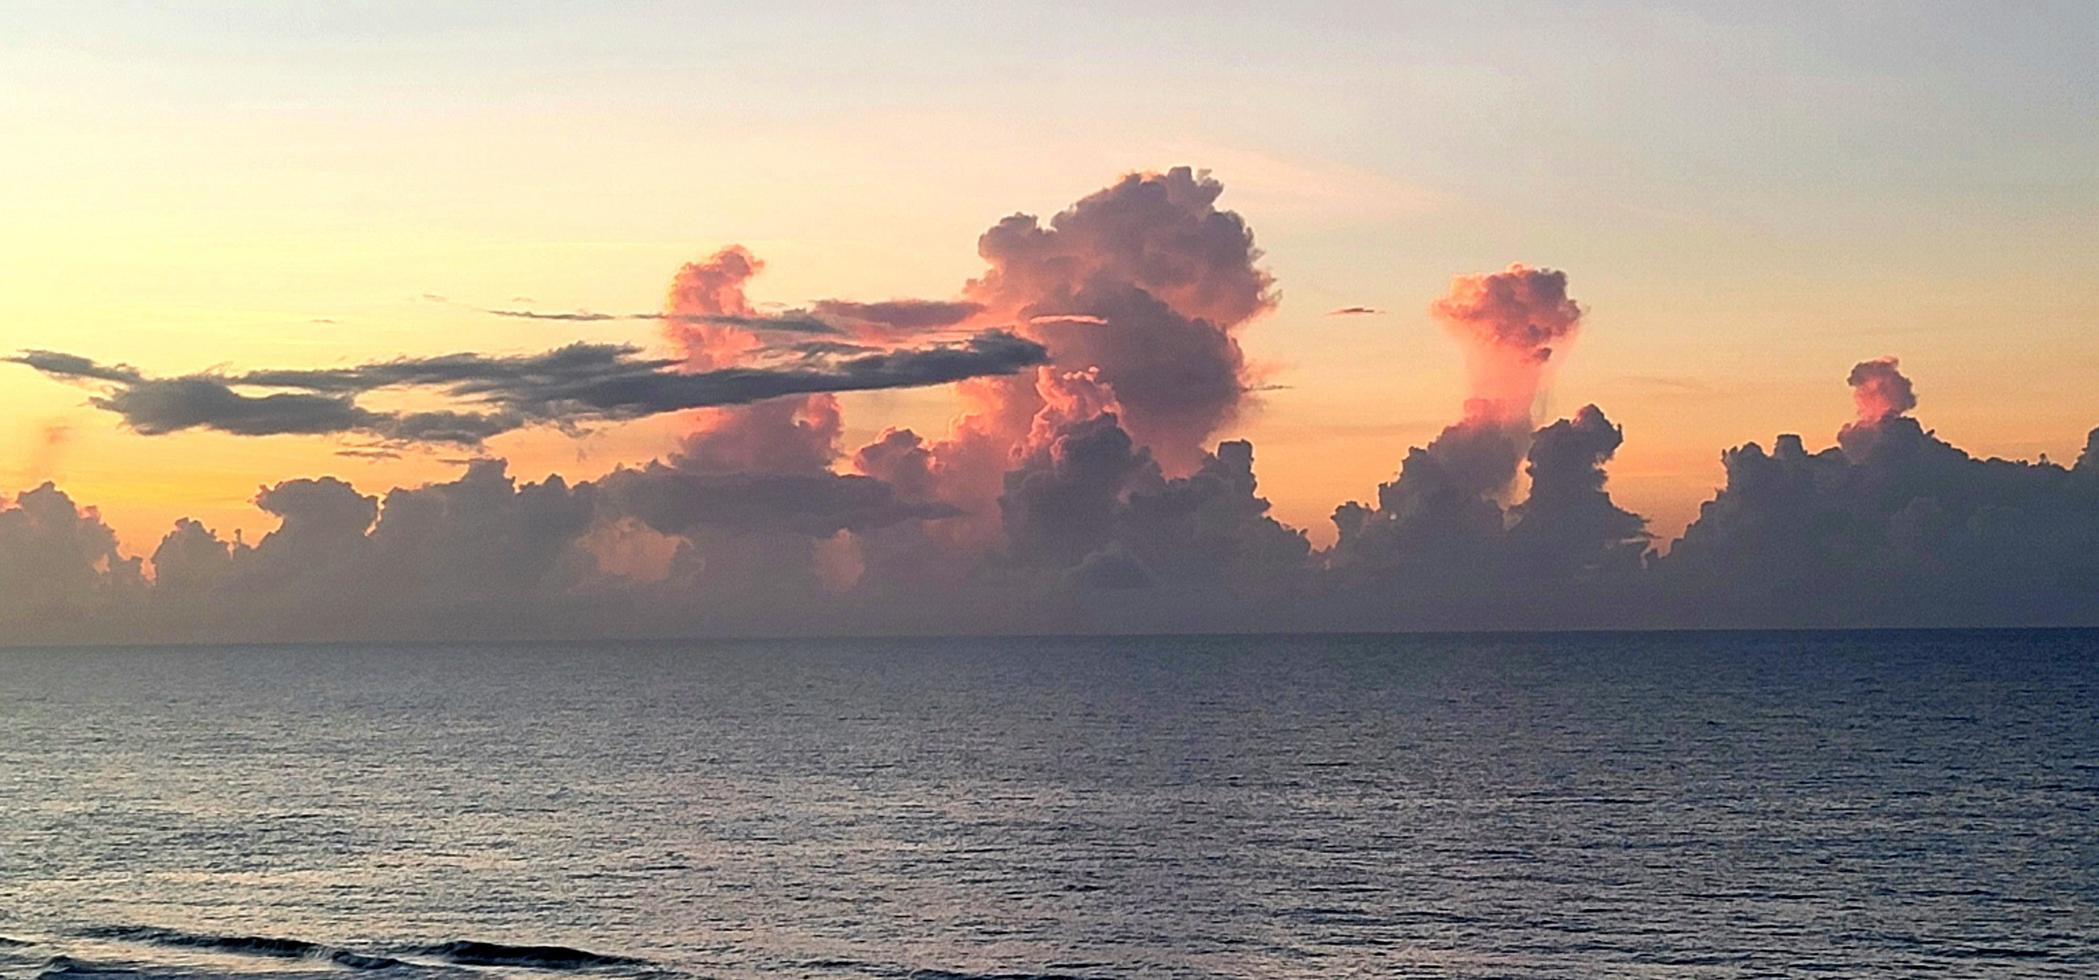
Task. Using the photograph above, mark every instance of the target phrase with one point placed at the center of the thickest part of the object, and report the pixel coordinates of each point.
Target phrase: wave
(471, 952)
(460, 952)
(907, 973)
(288, 949)
(951, 975)
(67, 968)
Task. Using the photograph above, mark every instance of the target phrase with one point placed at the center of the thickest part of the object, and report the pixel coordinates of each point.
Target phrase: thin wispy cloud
(786, 322)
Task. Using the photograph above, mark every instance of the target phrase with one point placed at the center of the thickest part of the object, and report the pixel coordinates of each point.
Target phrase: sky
(1745, 200)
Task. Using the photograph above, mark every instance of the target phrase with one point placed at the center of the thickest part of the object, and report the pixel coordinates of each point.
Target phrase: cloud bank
(1081, 488)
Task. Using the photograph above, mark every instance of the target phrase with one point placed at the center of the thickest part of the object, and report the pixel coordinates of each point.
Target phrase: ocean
(1873, 804)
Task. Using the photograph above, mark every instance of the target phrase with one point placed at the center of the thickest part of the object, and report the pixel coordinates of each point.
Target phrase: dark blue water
(1723, 805)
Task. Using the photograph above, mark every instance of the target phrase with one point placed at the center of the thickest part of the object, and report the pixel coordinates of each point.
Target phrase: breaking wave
(469, 952)
(289, 949)
(457, 953)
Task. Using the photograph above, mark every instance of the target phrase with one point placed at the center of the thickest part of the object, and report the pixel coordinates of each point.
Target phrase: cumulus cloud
(674, 500)
(1899, 528)
(1508, 324)
(1146, 283)
(1568, 524)
(703, 312)
(1060, 505)
(59, 563)
(1137, 291)
(1880, 390)
(1091, 505)
(1445, 509)
(1892, 526)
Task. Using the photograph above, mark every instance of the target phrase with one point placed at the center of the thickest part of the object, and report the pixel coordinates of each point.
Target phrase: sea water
(1592, 805)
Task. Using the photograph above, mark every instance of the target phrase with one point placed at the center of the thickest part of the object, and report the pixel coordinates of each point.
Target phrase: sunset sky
(1746, 199)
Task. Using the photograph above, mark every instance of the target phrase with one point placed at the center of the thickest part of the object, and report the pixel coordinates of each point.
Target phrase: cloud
(1092, 505)
(577, 384)
(1082, 488)
(479, 555)
(1355, 311)
(1568, 525)
(1138, 289)
(1213, 528)
(1061, 504)
(59, 564)
(1145, 282)
(1880, 390)
(1893, 526)
(673, 500)
(705, 316)
(1445, 509)
(790, 321)
(901, 314)
(75, 367)
(1508, 323)
(575, 316)
(48, 449)
(1061, 319)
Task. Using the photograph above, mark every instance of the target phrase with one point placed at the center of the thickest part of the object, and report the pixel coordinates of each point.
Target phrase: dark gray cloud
(482, 554)
(1213, 528)
(1568, 526)
(1061, 504)
(59, 565)
(1893, 526)
(576, 384)
(1442, 512)
(1092, 503)
(73, 366)
(675, 500)
(1441, 549)
(163, 405)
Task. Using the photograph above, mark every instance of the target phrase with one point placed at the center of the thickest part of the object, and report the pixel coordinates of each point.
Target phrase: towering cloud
(705, 298)
(797, 435)
(1444, 509)
(1509, 324)
(1137, 292)
(1147, 284)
